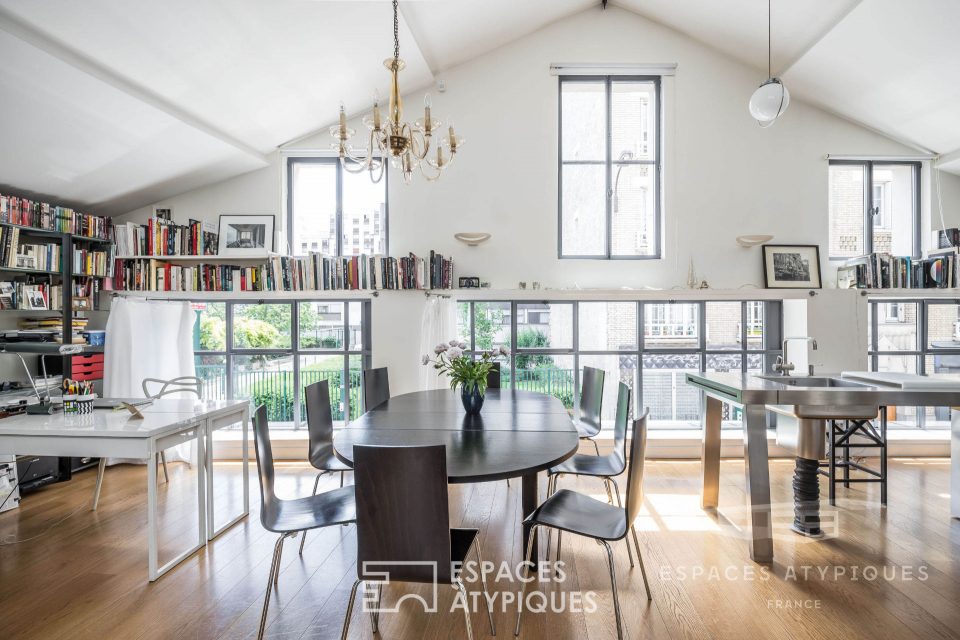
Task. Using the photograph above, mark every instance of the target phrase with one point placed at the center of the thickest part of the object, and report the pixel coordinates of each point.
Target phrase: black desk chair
(493, 376)
(289, 517)
(606, 467)
(320, 428)
(582, 515)
(591, 401)
(403, 525)
(376, 387)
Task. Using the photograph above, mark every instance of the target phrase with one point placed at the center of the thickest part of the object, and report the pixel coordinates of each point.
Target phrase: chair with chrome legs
(581, 515)
(376, 387)
(183, 384)
(591, 401)
(289, 517)
(493, 376)
(403, 525)
(606, 467)
(320, 428)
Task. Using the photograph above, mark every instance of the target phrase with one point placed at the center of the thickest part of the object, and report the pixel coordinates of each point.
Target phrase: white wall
(723, 174)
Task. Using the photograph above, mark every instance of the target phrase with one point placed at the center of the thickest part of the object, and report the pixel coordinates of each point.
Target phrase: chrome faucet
(783, 366)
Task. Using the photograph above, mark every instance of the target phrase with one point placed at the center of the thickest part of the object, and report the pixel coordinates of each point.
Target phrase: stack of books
(284, 273)
(42, 215)
(44, 257)
(884, 271)
(161, 237)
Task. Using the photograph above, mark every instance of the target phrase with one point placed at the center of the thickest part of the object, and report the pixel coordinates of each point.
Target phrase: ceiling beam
(54, 47)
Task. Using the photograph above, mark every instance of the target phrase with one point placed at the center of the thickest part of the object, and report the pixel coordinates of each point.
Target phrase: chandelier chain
(396, 32)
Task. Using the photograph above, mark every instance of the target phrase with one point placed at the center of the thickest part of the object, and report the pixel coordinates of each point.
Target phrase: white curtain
(147, 339)
(439, 325)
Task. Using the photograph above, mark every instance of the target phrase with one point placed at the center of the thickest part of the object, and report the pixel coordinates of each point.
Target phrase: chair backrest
(591, 396)
(264, 451)
(493, 376)
(376, 387)
(621, 423)
(189, 384)
(319, 418)
(638, 450)
(403, 519)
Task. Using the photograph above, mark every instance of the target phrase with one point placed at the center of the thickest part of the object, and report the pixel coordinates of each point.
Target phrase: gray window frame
(610, 163)
(868, 207)
(295, 350)
(771, 348)
(923, 349)
(291, 215)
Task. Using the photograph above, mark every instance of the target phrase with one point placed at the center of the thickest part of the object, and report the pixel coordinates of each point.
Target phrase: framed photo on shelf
(245, 235)
(36, 301)
(791, 266)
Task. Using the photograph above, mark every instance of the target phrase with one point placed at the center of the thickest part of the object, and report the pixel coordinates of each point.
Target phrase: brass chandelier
(407, 146)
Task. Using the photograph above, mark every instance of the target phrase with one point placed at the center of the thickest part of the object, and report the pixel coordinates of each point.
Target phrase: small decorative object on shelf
(286, 273)
(245, 235)
(465, 373)
(795, 266)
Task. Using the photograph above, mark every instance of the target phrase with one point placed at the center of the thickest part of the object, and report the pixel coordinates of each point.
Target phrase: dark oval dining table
(517, 434)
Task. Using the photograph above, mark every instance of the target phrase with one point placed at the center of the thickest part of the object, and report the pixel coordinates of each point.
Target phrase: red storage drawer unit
(87, 367)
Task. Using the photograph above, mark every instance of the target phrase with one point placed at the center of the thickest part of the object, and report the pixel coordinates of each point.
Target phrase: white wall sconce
(472, 238)
(753, 240)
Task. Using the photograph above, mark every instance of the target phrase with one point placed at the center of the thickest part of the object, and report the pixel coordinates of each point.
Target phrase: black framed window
(915, 336)
(333, 211)
(874, 208)
(648, 345)
(269, 351)
(610, 168)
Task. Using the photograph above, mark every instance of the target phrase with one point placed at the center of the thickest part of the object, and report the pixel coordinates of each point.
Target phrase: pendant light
(770, 100)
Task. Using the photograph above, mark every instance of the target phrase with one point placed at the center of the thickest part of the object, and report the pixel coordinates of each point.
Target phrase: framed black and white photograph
(245, 235)
(791, 266)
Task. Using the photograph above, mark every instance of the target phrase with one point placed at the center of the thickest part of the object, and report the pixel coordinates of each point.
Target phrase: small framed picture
(164, 213)
(35, 300)
(469, 283)
(245, 235)
(791, 266)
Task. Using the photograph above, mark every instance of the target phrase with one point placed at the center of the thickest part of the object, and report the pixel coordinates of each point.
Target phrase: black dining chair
(591, 402)
(606, 467)
(376, 387)
(403, 525)
(581, 515)
(289, 517)
(493, 376)
(320, 429)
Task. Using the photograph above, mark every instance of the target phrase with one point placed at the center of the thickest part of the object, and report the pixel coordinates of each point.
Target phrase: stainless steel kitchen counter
(753, 393)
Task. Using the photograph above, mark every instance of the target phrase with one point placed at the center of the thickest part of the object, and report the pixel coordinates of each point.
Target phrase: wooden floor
(888, 573)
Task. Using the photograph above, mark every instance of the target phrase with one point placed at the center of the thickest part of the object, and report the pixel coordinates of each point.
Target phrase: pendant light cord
(769, 39)
(396, 32)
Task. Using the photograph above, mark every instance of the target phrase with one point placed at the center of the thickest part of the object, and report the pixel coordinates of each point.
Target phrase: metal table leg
(211, 425)
(955, 462)
(710, 412)
(529, 502)
(758, 482)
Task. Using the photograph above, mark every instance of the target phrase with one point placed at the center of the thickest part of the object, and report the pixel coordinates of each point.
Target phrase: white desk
(166, 423)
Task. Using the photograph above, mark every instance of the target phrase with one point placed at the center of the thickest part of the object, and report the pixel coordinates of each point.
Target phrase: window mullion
(608, 236)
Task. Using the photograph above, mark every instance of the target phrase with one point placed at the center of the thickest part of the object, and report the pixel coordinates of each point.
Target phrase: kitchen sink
(814, 381)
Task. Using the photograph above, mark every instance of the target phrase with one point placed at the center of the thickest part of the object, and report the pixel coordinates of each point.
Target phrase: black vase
(472, 399)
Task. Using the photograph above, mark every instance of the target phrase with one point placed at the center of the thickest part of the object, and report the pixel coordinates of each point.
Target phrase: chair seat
(574, 512)
(322, 510)
(585, 429)
(587, 465)
(328, 461)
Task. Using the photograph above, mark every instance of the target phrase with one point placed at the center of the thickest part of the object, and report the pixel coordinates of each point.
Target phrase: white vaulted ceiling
(113, 105)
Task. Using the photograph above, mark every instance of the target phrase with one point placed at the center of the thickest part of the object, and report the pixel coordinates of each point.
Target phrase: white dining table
(166, 423)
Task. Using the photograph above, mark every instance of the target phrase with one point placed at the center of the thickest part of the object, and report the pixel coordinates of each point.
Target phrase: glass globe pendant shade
(769, 101)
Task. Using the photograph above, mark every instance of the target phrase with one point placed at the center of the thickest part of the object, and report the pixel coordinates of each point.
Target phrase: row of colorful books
(93, 262)
(43, 215)
(31, 296)
(162, 237)
(884, 271)
(282, 273)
